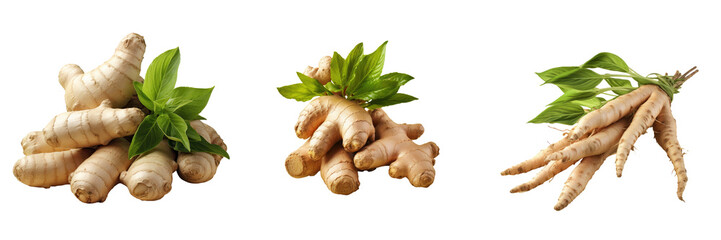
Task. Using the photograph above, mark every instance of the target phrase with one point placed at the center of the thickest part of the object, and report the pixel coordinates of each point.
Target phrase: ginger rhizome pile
(604, 127)
(87, 148)
(345, 128)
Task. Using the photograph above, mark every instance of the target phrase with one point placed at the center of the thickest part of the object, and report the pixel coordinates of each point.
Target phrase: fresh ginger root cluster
(86, 147)
(611, 129)
(344, 138)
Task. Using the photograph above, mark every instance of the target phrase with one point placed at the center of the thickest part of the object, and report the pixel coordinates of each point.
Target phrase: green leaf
(332, 87)
(174, 103)
(175, 128)
(376, 61)
(147, 136)
(616, 82)
(198, 98)
(376, 84)
(196, 117)
(377, 91)
(573, 95)
(204, 146)
(579, 79)
(351, 61)
(144, 99)
(608, 61)
(336, 66)
(161, 74)
(312, 84)
(565, 113)
(592, 103)
(192, 134)
(553, 72)
(368, 69)
(400, 78)
(297, 91)
(392, 100)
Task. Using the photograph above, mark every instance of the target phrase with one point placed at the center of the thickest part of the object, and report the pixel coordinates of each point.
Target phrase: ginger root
(92, 127)
(320, 73)
(328, 119)
(336, 168)
(49, 169)
(112, 80)
(394, 147)
(150, 176)
(35, 142)
(338, 172)
(198, 167)
(611, 129)
(299, 164)
(96, 176)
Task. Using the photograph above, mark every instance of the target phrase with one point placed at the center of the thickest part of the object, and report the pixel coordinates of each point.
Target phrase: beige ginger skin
(112, 80)
(87, 128)
(49, 169)
(198, 167)
(150, 176)
(299, 164)
(336, 168)
(329, 119)
(320, 73)
(338, 172)
(96, 176)
(35, 142)
(395, 147)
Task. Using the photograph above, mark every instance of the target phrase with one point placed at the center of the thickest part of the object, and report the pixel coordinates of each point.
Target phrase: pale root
(49, 169)
(593, 145)
(87, 128)
(328, 119)
(665, 133)
(538, 160)
(112, 80)
(299, 164)
(642, 120)
(35, 142)
(150, 176)
(580, 176)
(96, 176)
(611, 112)
(198, 167)
(320, 73)
(394, 147)
(338, 172)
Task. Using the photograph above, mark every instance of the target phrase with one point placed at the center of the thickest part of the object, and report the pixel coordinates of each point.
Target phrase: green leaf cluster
(171, 108)
(356, 77)
(580, 87)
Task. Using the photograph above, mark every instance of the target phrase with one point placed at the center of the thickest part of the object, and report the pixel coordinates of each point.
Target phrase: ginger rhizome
(604, 127)
(113, 80)
(87, 146)
(320, 73)
(394, 146)
(49, 169)
(198, 167)
(329, 119)
(150, 176)
(87, 128)
(342, 136)
(96, 176)
(35, 142)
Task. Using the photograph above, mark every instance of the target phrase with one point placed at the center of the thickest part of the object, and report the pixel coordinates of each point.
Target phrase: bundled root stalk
(603, 127)
(344, 137)
(86, 146)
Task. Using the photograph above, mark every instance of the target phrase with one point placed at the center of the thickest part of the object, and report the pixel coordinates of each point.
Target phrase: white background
(474, 66)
